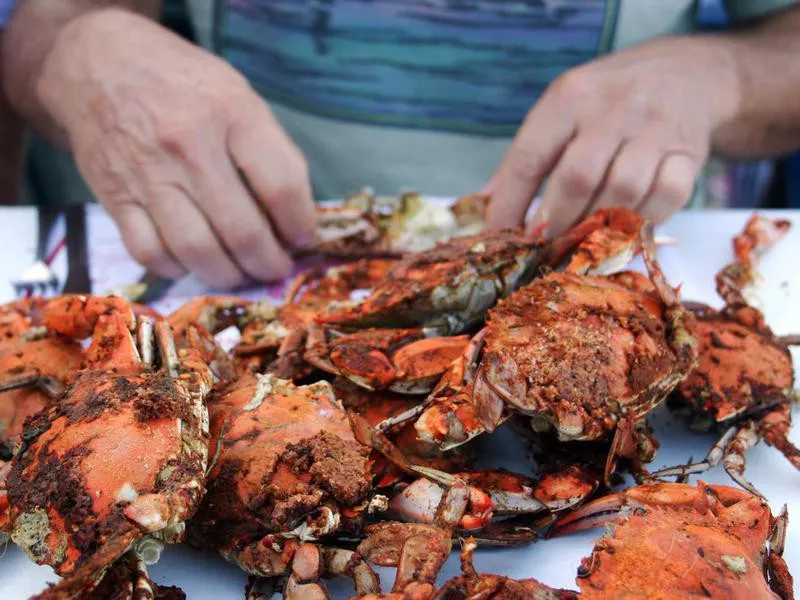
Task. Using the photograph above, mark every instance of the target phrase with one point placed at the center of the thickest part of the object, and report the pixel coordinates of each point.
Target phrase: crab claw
(424, 501)
(76, 315)
(665, 494)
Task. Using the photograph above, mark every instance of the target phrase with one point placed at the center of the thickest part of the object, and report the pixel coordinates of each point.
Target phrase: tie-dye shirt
(422, 93)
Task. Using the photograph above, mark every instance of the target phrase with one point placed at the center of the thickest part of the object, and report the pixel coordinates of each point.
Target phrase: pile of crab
(338, 434)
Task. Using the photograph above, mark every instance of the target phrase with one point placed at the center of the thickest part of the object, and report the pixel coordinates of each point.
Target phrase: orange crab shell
(262, 428)
(720, 531)
(739, 368)
(537, 342)
(99, 469)
(721, 564)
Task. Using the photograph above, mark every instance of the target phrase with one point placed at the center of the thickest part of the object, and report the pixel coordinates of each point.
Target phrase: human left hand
(632, 129)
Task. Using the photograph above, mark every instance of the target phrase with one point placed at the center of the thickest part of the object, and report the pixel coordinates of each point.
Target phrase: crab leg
(730, 449)
(418, 552)
(774, 428)
(49, 385)
(780, 580)
(312, 562)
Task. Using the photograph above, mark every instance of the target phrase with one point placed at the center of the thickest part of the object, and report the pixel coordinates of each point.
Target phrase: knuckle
(286, 190)
(674, 189)
(190, 250)
(151, 256)
(626, 192)
(178, 138)
(524, 162)
(576, 181)
(248, 242)
(570, 85)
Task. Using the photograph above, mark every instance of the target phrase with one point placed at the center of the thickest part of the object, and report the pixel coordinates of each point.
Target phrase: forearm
(766, 60)
(28, 41)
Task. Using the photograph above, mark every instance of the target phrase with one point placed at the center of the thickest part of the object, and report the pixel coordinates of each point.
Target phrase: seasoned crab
(471, 585)
(743, 382)
(449, 288)
(119, 460)
(583, 355)
(273, 338)
(285, 469)
(403, 360)
(673, 540)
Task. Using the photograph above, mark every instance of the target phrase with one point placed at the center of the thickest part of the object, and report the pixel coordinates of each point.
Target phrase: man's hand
(631, 129)
(186, 157)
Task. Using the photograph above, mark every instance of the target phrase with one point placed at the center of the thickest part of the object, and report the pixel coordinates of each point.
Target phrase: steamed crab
(78, 491)
(448, 289)
(402, 360)
(285, 467)
(586, 356)
(675, 540)
(273, 338)
(743, 382)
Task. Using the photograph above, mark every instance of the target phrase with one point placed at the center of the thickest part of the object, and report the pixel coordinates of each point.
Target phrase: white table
(704, 247)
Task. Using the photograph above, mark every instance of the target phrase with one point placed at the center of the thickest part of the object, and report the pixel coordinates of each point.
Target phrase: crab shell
(578, 353)
(402, 360)
(122, 454)
(49, 359)
(447, 288)
(285, 461)
(742, 367)
(674, 540)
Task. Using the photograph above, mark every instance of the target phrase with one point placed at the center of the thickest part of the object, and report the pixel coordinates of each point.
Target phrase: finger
(240, 223)
(535, 149)
(140, 237)
(631, 175)
(277, 173)
(575, 181)
(673, 186)
(190, 239)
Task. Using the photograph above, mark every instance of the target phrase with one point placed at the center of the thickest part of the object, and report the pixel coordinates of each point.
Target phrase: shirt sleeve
(6, 8)
(743, 10)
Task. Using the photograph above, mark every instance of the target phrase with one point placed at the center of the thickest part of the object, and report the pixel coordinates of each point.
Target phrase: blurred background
(51, 174)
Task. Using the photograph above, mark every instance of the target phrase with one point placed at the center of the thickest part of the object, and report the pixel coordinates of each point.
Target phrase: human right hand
(185, 156)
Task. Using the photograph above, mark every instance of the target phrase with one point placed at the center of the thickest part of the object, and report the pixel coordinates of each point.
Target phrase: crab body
(586, 356)
(449, 287)
(79, 493)
(673, 540)
(285, 469)
(744, 377)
